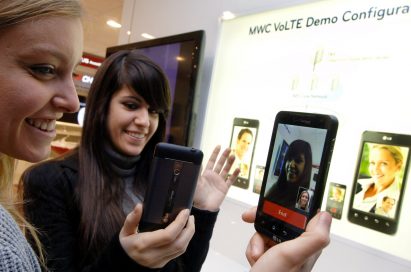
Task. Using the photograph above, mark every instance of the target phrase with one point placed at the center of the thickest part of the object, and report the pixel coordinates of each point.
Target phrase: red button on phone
(284, 214)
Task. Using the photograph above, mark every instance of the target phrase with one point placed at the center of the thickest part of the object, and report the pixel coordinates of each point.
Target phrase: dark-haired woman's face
(131, 122)
(294, 167)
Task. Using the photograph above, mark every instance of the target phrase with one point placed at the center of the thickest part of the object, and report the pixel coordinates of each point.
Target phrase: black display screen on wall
(179, 56)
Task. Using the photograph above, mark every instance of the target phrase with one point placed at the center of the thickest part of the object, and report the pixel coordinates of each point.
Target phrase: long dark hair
(100, 192)
(284, 191)
(295, 149)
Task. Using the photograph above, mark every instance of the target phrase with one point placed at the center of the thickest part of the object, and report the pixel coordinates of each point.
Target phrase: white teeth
(51, 125)
(136, 135)
(43, 124)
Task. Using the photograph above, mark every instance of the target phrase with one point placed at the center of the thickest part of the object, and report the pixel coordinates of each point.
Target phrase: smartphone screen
(335, 199)
(243, 138)
(295, 173)
(379, 181)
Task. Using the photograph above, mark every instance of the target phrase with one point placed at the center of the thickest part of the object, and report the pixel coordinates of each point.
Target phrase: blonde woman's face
(304, 199)
(383, 167)
(37, 60)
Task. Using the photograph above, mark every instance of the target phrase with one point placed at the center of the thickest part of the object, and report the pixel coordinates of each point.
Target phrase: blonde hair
(393, 150)
(14, 12)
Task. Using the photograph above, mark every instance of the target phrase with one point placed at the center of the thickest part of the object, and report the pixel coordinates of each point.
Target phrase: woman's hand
(213, 184)
(299, 254)
(155, 249)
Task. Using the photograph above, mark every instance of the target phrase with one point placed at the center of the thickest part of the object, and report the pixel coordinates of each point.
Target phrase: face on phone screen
(380, 179)
(290, 188)
(243, 138)
(335, 199)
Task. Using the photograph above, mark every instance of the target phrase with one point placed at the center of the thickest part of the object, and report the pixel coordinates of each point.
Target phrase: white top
(367, 204)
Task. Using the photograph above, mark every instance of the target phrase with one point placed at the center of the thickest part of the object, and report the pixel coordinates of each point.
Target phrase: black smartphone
(295, 173)
(243, 138)
(379, 181)
(172, 182)
(335, 199)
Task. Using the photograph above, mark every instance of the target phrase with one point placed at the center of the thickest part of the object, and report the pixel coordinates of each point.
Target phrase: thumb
(132, 221)
(249, 215)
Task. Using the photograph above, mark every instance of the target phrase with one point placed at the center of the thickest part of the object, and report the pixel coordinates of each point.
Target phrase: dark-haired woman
(87, 205)
(295, 173)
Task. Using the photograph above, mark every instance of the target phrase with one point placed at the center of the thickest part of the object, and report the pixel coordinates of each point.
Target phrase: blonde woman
(36, 88)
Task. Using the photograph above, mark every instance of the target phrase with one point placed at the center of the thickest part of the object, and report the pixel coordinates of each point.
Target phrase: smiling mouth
(47, 125)
(136, 135)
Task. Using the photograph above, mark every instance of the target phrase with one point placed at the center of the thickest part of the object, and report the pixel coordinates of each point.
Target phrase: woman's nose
(66, 98)
(142, 117)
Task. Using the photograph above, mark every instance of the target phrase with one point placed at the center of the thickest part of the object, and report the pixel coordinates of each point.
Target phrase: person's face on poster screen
(337, 194)
(243, 144)
(131, 123)
(295, 167)
(387, 204)
(382, 167)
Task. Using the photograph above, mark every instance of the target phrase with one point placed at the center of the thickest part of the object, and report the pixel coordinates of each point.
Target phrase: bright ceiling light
(113, 24)
(147, 36)
(227, 15)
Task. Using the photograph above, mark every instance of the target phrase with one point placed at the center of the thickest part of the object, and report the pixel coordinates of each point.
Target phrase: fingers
(233, 177)
(255, 248)
(132, 221)
(310, 243)
(213, 158)
(166, 236)
(182, 240)
(224, 163)
(249, 215)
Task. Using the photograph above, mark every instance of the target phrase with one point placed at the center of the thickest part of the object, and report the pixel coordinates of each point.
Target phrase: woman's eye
(153, 111)
(43, 70)
(131, 106)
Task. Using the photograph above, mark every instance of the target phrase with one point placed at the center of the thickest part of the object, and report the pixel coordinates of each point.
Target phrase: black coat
(50, 207)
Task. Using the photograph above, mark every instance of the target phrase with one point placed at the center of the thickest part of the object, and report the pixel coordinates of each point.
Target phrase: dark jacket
(50, 206)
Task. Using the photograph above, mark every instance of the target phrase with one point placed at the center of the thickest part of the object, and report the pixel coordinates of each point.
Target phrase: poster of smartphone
(379, 181)
(243, 138)
(258, 178)
(295, 173)
(335, 200)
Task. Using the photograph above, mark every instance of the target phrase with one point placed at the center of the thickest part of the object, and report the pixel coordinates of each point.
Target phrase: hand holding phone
(295, 174)
(172, 182)
(143, 247)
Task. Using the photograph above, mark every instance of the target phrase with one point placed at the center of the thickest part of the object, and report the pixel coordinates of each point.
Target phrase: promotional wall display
(345, 58)
(297, 167)
(335, 199)
(243, 138)
(380, 180)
